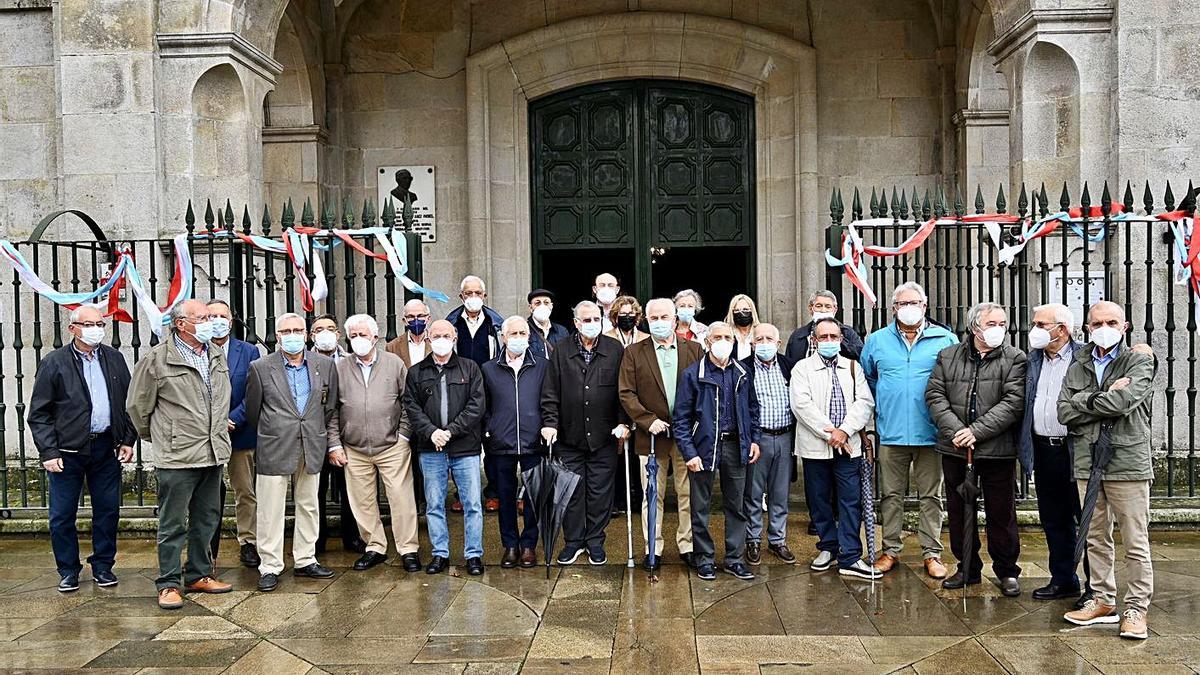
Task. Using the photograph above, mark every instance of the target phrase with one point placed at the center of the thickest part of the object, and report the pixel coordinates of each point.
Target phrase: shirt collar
(1064, 352)
(288, 364)
(183, 345)
(83, 355)
(765, 365)
(1105, 358)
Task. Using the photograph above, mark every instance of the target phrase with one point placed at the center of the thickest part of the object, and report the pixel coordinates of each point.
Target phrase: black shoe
(568, 555)
(739, 570)
(688, 559)
(652, 568)
(754, 552)
(369, 560)
(315, 570)
(104, 578)
(356, 545)
(707, 572)
(1084, 598)
(957, 581)
(249, 556)
(475, 566)
(597, 556)
(1053, 591)
(268, 582)
(412, 562)
(69, 583)
(812, 529)
(782, 552)
(510, 558)
(320, 546)
(1010, 587)
(436, 565)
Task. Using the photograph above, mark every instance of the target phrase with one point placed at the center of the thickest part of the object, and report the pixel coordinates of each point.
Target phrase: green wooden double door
(650, 180)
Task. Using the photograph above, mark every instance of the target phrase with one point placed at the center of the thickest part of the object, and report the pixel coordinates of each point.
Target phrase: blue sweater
(898, 376)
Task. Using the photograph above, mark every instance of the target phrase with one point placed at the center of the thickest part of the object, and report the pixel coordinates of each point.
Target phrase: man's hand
(695, 464)
(440, 438)
(1119, 384)
(621, 432)
(964, 438)
(338, 457)
(837, 437)
(232, 426)
(658, 426)
(549, 434)
(125, 454)
(54, 465)
(755, 453)
(1143, 348)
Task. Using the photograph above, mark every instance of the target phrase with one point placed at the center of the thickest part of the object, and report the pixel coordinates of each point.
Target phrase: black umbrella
(969, 491)
(1102, 453)
(550, 485)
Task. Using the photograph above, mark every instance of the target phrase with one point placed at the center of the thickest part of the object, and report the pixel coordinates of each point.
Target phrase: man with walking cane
(1105, 404)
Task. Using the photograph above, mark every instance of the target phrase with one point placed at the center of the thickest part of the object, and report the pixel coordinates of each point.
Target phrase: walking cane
(628, 506)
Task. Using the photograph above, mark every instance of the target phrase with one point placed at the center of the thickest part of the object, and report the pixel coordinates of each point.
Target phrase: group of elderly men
(509, 389)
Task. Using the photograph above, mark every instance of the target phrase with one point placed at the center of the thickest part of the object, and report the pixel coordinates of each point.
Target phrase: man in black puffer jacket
(976, 397)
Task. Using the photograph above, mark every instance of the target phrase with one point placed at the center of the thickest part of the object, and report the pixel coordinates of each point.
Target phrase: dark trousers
(490, 472)
(333, 478)
(216, 539)
(1058, 508)
(101, 471)
(837, 529)
(734, 487)
(590, 507)
(511, 535)
(996, 480)
(627, 478)
(189, 511)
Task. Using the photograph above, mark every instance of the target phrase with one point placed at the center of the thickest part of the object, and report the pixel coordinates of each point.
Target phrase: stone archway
(778, 72)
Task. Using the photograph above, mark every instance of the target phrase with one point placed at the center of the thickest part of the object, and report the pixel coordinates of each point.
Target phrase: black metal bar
(248, 276)
(1148, 204)
(18, 345)
(389, 276)
(327, 223)
(368, 220)
(1169, 203)
(269, 277)
(349, 275)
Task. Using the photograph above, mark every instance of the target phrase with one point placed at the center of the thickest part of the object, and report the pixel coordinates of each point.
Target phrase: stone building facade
(126, 109)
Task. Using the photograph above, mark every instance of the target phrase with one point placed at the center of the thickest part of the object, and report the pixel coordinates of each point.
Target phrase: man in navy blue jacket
(512, 422)
(242, 436)
(715, 424)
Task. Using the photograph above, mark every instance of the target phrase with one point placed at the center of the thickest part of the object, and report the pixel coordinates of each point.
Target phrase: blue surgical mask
(220, 327)
(660, 329)
(766, 351)
(686, 314)
(517, 345)
(203, 331)
(590, 330)
(829, 349)
(292, 344)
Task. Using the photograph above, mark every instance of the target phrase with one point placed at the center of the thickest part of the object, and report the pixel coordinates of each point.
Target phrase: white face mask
(220, 327)
(910, 315)
(473, 303)
(442, 346)
(606, 295)
(1039, 337)
(721, 349)
(1106, 337)
(541, 313)
(362, 345)
(325, 341)
(994, 337)
(590, 330)
(92, 335)
(819, 316)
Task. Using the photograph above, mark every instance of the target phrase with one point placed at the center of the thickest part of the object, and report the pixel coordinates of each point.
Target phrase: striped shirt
(197, 360)
(775, 410)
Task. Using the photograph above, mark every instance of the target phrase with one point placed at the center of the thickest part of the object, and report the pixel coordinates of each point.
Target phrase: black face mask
(743, 318)
(626, 322)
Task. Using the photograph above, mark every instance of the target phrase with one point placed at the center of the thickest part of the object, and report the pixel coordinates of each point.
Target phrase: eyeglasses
(90, 324)
(473, 294)
(590, 319)
(410, 317)
(323, 329)
(909, 303)
(292, 331)
(1046, 325)
(828, 338)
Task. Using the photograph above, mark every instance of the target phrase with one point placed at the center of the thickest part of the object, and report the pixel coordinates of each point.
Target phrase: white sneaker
(822, 562)
(861, 570)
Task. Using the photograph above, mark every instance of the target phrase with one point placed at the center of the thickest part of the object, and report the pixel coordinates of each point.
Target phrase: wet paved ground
(584, 619)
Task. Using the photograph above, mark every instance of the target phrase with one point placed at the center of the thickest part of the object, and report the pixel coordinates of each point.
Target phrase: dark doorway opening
(569, 274)
(717, 273)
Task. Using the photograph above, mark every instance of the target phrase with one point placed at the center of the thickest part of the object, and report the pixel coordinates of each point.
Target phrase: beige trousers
(1127, 502)
(394, 467)
(683, 491)
(893, 466)
(241, 479)
(272, 511)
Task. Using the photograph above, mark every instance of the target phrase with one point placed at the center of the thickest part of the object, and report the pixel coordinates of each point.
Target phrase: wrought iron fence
(1099, 256)
(258, 285)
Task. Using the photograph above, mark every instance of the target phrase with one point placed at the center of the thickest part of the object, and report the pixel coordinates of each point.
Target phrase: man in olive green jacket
(179, 401)
(1109, 384)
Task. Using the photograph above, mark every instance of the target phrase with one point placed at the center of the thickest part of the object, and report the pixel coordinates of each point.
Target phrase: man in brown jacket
(413, 344)
(650, 372)
(368, 434)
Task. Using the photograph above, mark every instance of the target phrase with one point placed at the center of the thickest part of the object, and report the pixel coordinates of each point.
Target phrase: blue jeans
(436, 468)
(101, 471)
(836, 534)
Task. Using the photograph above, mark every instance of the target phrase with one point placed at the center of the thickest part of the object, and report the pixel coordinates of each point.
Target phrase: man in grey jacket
(290, 397)
(179, 401)
(368, 435)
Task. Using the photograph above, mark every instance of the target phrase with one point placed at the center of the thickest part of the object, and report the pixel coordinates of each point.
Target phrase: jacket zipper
(517, 395)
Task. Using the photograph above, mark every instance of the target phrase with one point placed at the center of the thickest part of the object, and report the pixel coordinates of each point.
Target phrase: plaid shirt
(775, 410)
(586, 353)
(199, 361)
(837, 400)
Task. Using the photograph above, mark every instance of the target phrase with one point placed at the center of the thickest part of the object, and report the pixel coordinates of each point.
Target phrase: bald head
(1107, 309)
(414, 307)
(442, 329)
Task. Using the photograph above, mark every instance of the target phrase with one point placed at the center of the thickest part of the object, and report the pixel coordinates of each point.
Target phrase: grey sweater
(369, 416)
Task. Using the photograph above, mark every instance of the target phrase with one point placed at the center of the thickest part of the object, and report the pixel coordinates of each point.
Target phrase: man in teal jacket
(897, 361)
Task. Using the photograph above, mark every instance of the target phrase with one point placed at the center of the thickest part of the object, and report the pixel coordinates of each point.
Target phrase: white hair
(668, 302)
(462, 285)
(685, 293)
(74, 316)
(511, 320)
(909, 286)
(1062, 314)
(773, 328)
(281, 318)
(416, 302)
(584, 304)
(360, 319)
(826, 294)
(976, 313)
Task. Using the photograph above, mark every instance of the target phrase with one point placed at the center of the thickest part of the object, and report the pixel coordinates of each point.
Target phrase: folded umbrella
(969, 491)
(651, 504)
(1102, 454)
(550, 485)
(866, 477)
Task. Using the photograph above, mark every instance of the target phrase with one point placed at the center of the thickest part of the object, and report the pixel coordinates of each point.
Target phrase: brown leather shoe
(491, 505)
(528, 558)
(885, 562)
(208, 585)
(169, 598)
(934, 568)
(510, 558)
